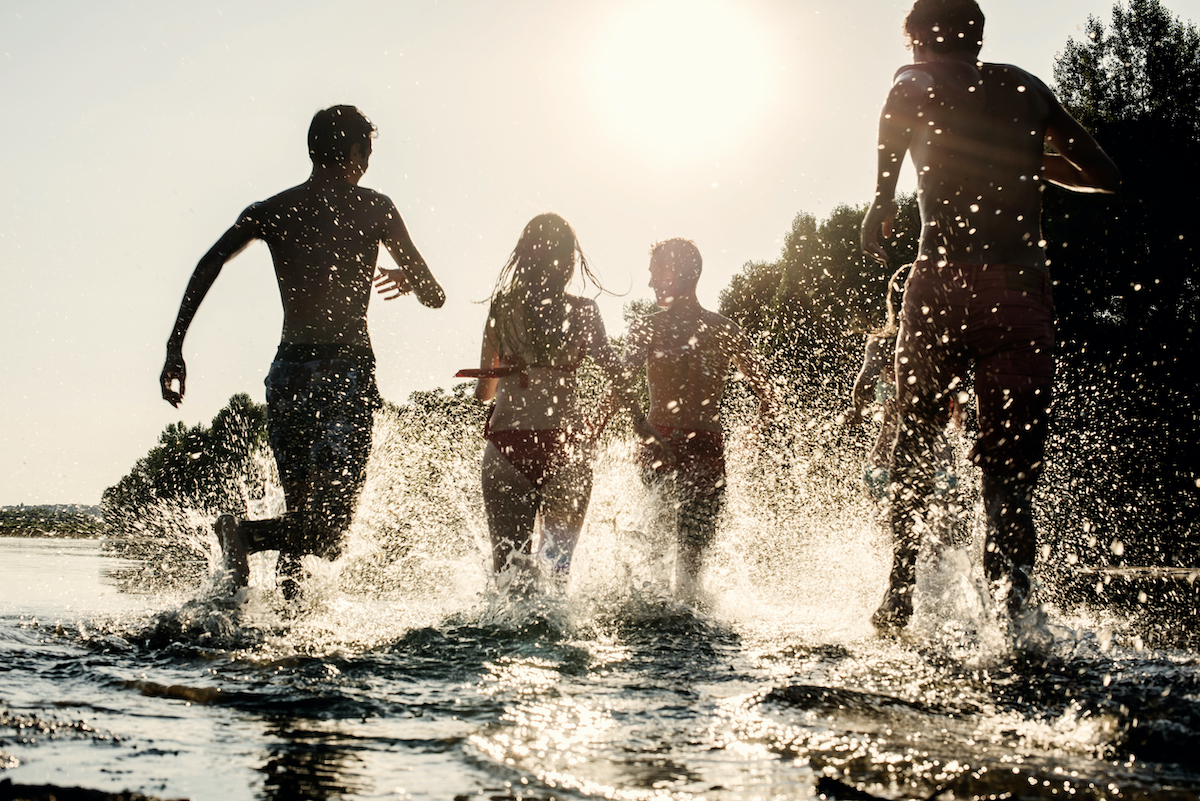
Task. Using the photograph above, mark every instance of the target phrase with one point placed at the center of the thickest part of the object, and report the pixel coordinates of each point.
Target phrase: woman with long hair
(536, 461)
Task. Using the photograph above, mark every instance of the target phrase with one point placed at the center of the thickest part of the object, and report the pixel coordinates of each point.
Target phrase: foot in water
(895, 611)
(233, 549)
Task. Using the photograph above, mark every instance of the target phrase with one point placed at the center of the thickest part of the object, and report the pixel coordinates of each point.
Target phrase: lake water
(405, 675)
(622, 694)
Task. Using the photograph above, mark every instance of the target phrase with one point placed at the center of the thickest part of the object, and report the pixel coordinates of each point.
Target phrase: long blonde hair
(529, 308)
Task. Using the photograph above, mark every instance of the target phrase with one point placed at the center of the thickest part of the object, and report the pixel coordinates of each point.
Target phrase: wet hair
(529, 306)
(945, 26)
(683, 254)
(334, 131)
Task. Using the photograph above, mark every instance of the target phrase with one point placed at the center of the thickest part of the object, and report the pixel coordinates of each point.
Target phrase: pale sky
(133, 133)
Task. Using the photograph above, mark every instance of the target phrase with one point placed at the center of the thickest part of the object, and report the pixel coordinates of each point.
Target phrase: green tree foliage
(808, 307)
(1145, 66)
(48, 521)
(203, 465)
(1128, 290)
(160, 511)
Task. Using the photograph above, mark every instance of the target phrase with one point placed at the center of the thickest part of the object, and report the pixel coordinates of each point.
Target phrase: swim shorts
(1001, 317)
(694, 476)
(321, 399)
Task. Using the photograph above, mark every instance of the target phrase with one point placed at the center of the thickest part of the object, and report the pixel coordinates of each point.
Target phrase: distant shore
(58, 520)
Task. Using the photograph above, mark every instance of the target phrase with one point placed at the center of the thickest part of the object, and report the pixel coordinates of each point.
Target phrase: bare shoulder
(581, 304)
(720, 323)
(913, 80)
(646, 322)
(1020, 76)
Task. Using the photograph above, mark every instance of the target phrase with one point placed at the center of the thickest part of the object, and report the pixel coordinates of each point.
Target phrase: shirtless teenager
(324, 236)
(687, 351)
(980, 288)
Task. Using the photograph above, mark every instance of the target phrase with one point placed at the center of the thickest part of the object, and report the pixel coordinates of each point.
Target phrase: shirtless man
(687, 351)
(324, 236)
(980, 289)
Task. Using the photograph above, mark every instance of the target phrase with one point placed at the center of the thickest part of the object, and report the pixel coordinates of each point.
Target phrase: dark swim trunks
(321, 399)
(1002, 318)
(694, 476)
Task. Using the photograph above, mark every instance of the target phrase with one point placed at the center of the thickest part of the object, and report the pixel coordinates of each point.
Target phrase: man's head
(334, 131)
(675, 266)
(945, 26)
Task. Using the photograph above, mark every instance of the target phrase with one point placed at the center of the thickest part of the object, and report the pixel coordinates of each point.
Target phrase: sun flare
(682, 78)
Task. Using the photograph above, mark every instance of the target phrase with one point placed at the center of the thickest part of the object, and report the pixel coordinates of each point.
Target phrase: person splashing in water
(536, 462)
(687, 351)
(875, 386)
(985, 139)
(324, 237)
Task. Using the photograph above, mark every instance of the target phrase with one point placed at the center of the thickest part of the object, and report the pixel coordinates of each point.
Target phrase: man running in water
(687, 351)
(980, 289)
(324, 236)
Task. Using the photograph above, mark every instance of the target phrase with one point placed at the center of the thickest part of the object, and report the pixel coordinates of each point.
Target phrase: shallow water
(404, 675)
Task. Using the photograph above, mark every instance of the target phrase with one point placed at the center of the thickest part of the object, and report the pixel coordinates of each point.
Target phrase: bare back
(324, 240)
(687, 351)
(977, 144)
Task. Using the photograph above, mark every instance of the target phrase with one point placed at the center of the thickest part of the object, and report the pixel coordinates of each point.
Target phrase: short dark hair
(945, 26)
(683, 252)
(334, 131)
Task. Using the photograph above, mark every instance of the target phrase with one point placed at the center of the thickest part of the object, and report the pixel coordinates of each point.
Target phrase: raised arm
(896, 123)
(411, 273)
(1077, 163)
(229, 245)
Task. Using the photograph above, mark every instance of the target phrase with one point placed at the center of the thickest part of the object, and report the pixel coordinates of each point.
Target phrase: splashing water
(406, 673)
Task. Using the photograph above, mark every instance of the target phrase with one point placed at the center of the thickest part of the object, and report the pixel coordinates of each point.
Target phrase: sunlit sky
(133, 133)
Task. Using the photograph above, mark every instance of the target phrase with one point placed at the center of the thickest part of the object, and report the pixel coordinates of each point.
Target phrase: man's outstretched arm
(229, 245)
(411, 273)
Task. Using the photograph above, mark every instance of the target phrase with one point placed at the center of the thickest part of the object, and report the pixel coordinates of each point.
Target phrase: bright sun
(681, 79)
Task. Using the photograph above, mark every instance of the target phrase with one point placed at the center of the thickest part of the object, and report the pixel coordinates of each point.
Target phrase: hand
(878, 220)
(649, 434)
(173, 370)
(392, 283)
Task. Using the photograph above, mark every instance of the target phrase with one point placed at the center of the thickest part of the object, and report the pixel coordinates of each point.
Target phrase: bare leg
(911, 476)
(1011, 546)
(511, 502)
(565, 498)
(696, 526)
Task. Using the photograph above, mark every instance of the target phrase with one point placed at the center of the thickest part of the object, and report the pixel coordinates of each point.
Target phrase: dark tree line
(1129, 290)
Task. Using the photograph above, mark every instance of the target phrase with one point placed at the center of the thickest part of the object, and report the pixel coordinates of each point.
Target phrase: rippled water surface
(408, 677)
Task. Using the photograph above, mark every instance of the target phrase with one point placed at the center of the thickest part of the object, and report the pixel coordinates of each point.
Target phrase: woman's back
(544, 343)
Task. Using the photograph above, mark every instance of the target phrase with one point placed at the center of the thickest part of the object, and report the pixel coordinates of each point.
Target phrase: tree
(1146, 67)
(808, 306)
(1127, 287)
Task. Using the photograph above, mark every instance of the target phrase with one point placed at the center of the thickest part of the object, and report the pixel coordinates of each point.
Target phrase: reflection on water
(405, 677)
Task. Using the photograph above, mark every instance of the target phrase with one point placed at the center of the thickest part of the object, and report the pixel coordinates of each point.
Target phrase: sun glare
(679, 79)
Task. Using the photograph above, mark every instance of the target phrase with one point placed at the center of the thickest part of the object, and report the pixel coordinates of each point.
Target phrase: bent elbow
(434, 300)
